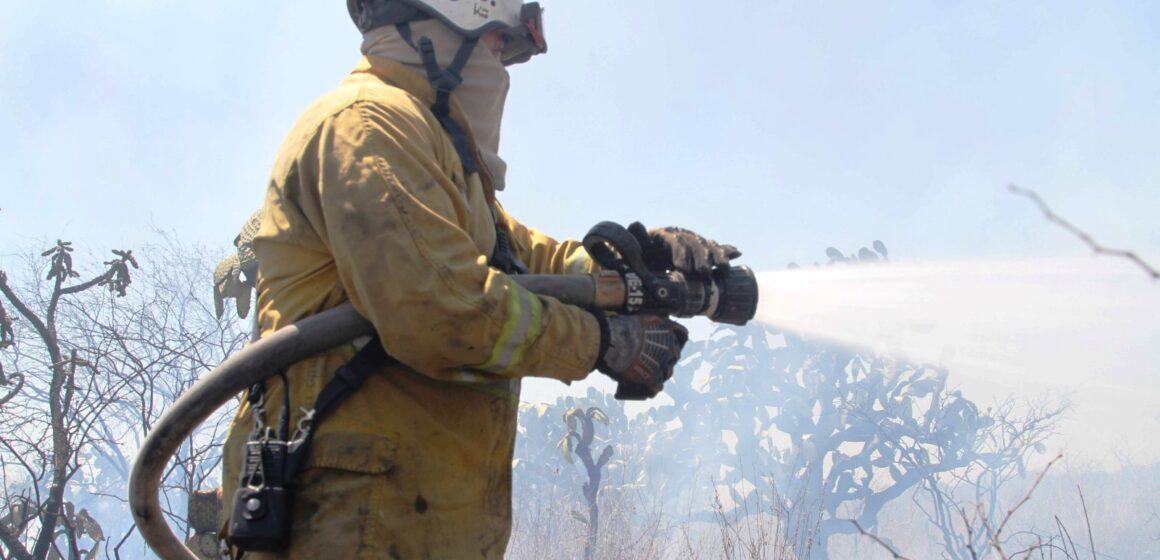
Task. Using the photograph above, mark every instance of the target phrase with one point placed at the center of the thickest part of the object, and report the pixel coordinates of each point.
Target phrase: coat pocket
(351, 451)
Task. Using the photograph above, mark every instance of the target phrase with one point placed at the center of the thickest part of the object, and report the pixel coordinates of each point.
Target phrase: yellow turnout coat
(368, 203)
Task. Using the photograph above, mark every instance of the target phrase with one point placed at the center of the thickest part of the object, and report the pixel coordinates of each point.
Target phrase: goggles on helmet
(526, 40)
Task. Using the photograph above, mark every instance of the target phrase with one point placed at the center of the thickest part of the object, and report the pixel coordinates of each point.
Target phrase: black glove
(674, 248)
(639, 351)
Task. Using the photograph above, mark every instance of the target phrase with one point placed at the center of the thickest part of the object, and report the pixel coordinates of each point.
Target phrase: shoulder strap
(347, 379)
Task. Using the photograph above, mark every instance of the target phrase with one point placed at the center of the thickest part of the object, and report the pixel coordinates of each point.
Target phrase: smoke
(1083, 328)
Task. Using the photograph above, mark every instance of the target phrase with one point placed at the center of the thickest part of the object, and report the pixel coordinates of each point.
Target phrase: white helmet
(522, 23)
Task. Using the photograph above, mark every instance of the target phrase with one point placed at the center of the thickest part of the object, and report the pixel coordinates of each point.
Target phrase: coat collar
(396, 74)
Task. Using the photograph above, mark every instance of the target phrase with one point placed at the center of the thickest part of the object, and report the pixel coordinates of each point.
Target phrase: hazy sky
(783, 128)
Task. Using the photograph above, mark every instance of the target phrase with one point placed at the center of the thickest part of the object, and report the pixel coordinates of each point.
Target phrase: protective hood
(482, 94)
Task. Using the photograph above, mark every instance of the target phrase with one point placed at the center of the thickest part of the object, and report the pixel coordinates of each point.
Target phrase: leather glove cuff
(602, 320)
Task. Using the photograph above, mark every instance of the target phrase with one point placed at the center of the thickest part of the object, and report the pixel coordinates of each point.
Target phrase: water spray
(1083, 329)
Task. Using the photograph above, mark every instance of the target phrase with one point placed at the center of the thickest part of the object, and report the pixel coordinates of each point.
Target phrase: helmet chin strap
(445, 80)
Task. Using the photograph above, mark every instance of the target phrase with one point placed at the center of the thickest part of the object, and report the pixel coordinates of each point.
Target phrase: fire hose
(625, 285)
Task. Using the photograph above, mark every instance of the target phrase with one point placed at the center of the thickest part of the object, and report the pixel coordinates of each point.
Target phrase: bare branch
(117, 549)
(95, 281)
(90, 373)
(1065, 538)
(25, 311)
(1088, 520)
(6, 380)
(970, 533)
(12, 543)
(1082, 235)
(880, 542)
(996, 535)
(7, 331)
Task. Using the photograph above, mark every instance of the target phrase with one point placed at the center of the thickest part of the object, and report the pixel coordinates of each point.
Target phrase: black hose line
(256, 362)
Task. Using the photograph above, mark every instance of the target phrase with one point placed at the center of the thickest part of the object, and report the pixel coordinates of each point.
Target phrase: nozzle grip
(614, 248)
(628, 391)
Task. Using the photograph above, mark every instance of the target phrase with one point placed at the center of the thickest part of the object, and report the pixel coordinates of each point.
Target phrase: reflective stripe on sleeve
(524, 324)
(487, 384)
(468, 376)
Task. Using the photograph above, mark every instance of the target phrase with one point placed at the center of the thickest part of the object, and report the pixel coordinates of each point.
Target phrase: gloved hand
(674, 248)
(639, 351)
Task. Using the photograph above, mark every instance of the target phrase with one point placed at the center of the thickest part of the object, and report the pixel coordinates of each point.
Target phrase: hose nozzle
(737, 296)
(728, 294)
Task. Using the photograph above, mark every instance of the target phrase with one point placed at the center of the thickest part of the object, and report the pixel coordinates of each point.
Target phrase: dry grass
(1006, 544)
(633, 527)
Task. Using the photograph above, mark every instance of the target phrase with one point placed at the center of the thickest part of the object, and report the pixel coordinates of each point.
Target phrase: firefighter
(384, 195)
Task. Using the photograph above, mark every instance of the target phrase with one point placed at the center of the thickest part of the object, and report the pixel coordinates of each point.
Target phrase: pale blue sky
(782, 128)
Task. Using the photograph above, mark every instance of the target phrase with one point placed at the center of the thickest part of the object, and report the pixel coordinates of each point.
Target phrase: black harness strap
(502, 258)
(350, 376)
(347, 379)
